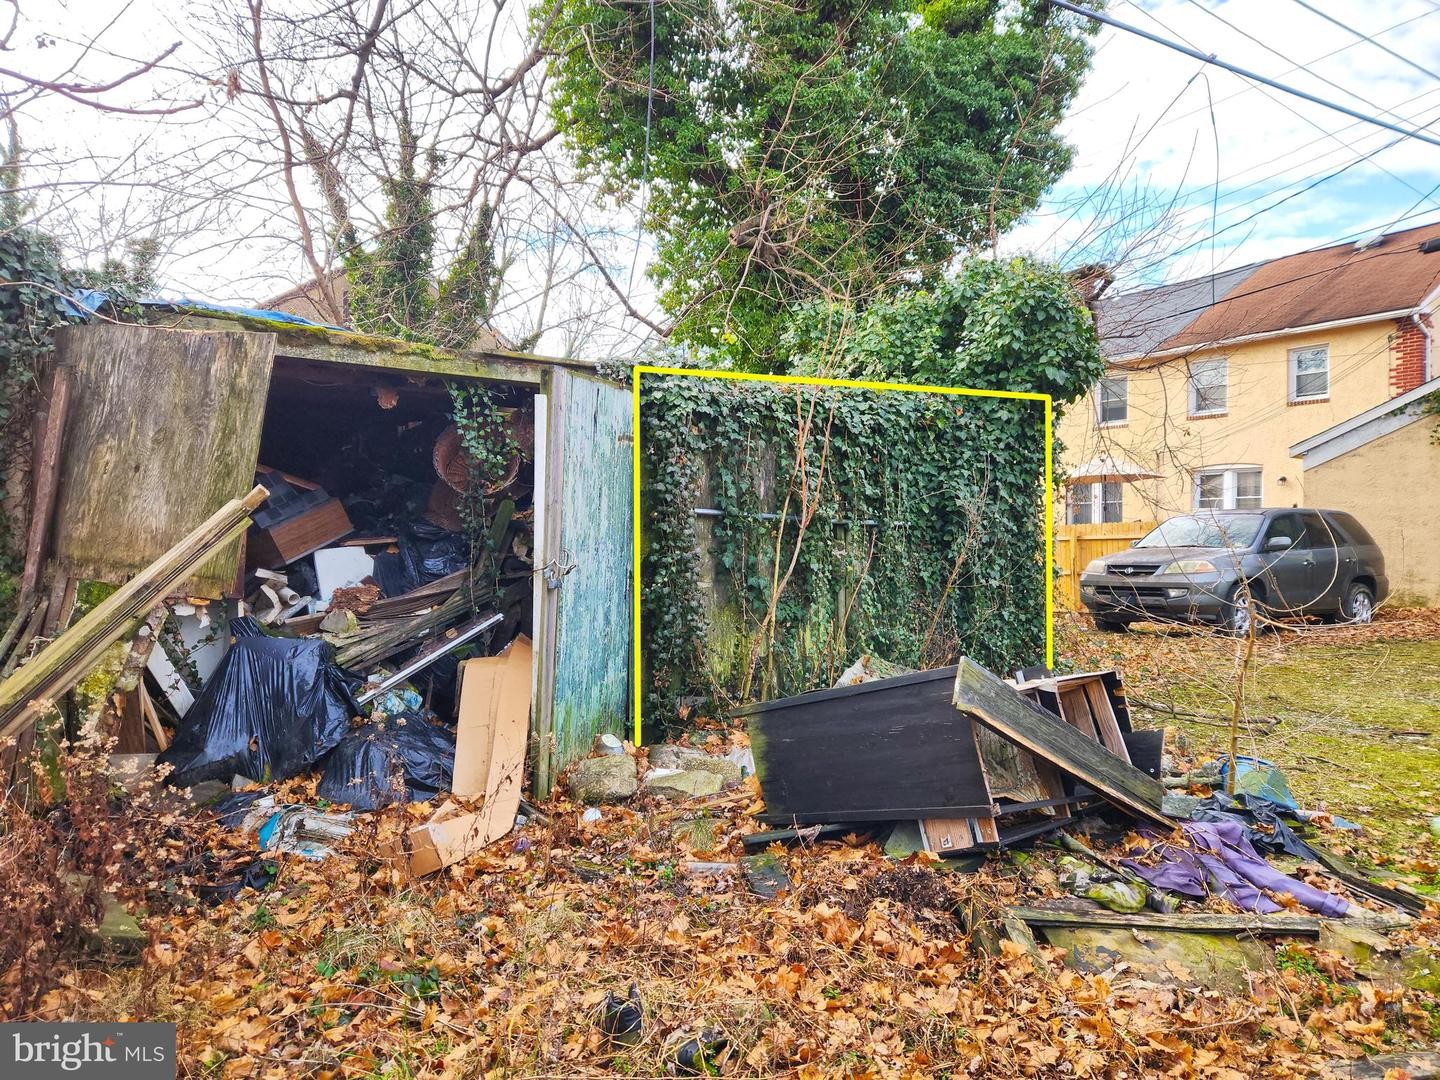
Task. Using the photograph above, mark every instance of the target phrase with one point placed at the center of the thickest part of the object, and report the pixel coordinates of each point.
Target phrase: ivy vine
(488, 450)
(33, 288)
(909, 527)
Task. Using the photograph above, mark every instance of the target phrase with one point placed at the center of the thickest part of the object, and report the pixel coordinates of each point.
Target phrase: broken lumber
(389, 637)
(1001, 708)
(885, 750)
(1197, 923)
(70, 656)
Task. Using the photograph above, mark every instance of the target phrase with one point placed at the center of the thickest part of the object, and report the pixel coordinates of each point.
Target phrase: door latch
(556, 569)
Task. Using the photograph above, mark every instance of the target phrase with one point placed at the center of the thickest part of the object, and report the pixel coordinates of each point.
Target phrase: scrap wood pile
(655, 934)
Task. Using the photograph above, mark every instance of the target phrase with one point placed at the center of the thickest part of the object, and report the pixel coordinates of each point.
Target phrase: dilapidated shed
(150, 426)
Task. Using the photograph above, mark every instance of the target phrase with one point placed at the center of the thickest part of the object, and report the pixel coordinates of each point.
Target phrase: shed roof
(1365, 427)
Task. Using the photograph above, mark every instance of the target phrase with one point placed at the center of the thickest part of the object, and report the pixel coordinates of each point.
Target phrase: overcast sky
(1180, 167)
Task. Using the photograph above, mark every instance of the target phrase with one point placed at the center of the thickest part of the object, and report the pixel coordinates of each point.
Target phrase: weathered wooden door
(164, 428)
(583, 615)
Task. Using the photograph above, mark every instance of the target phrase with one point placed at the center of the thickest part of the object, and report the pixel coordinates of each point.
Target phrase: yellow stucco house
(1214, 384)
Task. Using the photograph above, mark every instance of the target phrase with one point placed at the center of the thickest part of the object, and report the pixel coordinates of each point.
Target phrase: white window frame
(1221, 364)
(1095, 506)
(1229, 486)
(1293, 363)
(1123, 382)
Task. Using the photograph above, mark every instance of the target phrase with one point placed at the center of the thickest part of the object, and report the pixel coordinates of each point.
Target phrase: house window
(1310, 373)
(1096, 503)
(1208, 387)
(1112, 402)
(1228, 489)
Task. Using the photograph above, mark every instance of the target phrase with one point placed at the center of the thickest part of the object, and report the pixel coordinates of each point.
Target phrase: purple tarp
(1221, 860)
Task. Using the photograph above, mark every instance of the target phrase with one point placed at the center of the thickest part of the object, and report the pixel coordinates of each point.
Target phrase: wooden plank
(45, 478)
(1075, 711)
(1000, 707)
(888, 750)
(1197, 923)
(152, 718)
(164, 428)
(1104, 717)
(67, 658)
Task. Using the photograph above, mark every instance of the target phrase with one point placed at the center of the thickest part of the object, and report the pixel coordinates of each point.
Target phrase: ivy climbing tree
(394, 286)
(791, 153)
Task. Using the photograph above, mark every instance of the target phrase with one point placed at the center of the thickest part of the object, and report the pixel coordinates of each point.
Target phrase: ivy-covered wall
(907, 525)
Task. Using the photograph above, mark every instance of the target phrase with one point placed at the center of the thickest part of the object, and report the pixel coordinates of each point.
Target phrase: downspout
(1419, 320)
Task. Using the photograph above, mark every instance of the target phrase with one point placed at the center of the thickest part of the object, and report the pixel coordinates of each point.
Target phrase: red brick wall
(1407, 356)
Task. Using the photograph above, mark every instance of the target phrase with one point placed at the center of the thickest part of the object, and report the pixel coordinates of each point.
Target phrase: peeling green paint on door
(592, 626)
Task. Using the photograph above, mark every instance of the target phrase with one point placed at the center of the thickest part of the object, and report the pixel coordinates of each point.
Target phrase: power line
(1306, 66)
(1366, 37)
(1096, 16)
(1329, 82)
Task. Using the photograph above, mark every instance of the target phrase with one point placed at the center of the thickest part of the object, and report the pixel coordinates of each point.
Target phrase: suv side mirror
(1279, 543)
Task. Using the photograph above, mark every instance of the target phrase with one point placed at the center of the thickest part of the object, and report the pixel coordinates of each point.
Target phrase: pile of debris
(957, 762)
(384, 651)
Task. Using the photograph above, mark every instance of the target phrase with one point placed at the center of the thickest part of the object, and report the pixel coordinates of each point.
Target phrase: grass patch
(1354, 724)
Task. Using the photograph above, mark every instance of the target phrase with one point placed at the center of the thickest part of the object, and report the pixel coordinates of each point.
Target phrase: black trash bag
(1272, 834)
(273, 708)
(389, 761)
(231, 810)
(425, 553)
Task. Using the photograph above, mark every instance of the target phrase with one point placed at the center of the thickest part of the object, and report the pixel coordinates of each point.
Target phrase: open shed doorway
(380, 513)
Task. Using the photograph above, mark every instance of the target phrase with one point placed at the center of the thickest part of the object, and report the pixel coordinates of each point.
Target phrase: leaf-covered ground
(866, 968)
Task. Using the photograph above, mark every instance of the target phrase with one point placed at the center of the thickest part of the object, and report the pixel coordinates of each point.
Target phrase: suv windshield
(1231, 530)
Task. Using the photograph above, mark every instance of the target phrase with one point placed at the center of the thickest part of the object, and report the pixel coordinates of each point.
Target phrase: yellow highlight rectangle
(858, 384)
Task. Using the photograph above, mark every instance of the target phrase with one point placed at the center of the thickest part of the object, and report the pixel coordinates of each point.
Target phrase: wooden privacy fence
(1076, 545)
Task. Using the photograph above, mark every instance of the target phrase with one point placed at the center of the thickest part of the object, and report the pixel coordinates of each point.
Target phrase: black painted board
(1002, 709)
(1146, 748)
(888, 750)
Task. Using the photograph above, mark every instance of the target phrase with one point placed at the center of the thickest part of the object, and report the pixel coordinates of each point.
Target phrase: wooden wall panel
(889, 750)
(164, 429)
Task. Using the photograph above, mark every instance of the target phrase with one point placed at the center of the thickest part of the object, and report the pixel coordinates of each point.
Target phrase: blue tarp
(86, 302)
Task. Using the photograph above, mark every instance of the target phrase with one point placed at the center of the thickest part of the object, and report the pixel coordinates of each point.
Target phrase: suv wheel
(1236, 618)
(1359, 605)
(1111, 626)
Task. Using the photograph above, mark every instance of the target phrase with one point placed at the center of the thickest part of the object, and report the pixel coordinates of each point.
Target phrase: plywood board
(997, 705)
(948, 836)
(164, 429)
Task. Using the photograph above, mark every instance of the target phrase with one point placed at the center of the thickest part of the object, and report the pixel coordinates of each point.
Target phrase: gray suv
(1297, 562)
